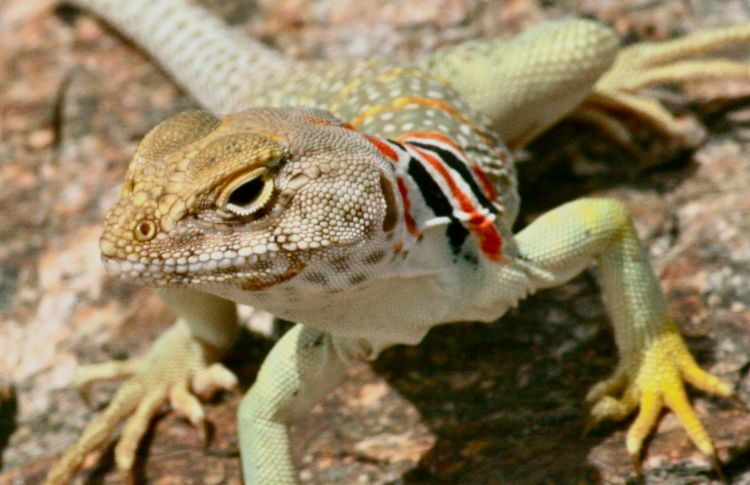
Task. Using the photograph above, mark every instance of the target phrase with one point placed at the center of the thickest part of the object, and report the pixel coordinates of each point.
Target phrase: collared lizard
(258, 207)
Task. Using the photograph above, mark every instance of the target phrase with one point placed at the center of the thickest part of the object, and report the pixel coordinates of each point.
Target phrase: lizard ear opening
(391, 207)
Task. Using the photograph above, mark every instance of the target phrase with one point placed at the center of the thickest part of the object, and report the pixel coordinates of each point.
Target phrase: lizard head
(252, 200)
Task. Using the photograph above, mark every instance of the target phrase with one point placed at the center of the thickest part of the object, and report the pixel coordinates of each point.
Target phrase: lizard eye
(248, 193)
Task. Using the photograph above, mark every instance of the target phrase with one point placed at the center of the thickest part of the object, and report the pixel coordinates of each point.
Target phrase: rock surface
(473, 404)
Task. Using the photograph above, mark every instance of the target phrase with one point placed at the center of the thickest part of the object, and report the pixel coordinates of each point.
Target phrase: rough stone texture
(473, 404)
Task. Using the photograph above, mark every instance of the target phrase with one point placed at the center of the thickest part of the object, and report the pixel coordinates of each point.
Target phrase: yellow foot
(652, 381)
(176, 370)
(649, 64)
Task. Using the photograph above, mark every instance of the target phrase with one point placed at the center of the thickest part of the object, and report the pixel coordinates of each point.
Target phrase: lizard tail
(223, 70)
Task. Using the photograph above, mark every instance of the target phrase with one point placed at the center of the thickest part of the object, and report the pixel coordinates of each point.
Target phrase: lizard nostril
(145, 230)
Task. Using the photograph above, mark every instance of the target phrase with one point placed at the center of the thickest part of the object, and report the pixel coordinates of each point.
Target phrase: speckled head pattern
(249, 200)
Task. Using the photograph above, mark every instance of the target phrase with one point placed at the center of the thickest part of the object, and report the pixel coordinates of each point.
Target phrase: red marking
(411, 226)
(398, 247)
(489, 189)
(429, 135)
(491, 242)
(319, 121)
(383, 147)
(489, 238)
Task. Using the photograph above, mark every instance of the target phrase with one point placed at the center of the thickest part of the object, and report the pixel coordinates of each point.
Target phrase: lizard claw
(208, 381)
(716, 465)
(174, 372)
(651, 382)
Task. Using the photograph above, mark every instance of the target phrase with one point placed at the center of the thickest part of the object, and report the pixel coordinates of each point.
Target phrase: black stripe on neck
(459, 166)
(437, 201)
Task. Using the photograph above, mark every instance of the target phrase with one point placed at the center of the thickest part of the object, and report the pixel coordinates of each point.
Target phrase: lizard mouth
(218, 267)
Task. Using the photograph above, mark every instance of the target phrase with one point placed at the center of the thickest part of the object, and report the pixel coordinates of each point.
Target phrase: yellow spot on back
(403, 101)
(344, 94)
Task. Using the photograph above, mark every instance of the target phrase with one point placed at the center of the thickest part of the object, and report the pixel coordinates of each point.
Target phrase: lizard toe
(212, 379)
(610, 386)
(650, 407)
(610, 408)
(96, 434)
(87, 376)
(164, 375)
(133, 431)
(656, 381)
(186, 404)
(649, 64)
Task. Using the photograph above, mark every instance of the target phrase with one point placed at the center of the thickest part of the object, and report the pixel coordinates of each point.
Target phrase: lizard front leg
(575, 68)
(299, 371)
(527, 83)
(182, 362)
(654, 360)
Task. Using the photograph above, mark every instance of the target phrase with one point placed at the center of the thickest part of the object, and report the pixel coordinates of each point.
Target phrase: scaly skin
(368, 201)
(585, 76)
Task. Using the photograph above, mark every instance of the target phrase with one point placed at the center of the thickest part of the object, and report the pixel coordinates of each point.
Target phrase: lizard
(370, 201)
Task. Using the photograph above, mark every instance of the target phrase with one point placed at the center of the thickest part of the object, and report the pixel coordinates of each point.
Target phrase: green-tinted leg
(575, 68)
(299, 371)
(654, 360)
(526, 84)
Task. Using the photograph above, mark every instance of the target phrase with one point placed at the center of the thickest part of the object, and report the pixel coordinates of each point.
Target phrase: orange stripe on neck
(427, 135)
(383, 147)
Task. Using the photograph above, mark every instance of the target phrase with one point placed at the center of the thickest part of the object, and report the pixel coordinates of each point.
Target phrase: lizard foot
(649, 64)
(176, 370)
(652, 381)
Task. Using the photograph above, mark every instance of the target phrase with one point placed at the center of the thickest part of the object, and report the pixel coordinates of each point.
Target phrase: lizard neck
(440, 186)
